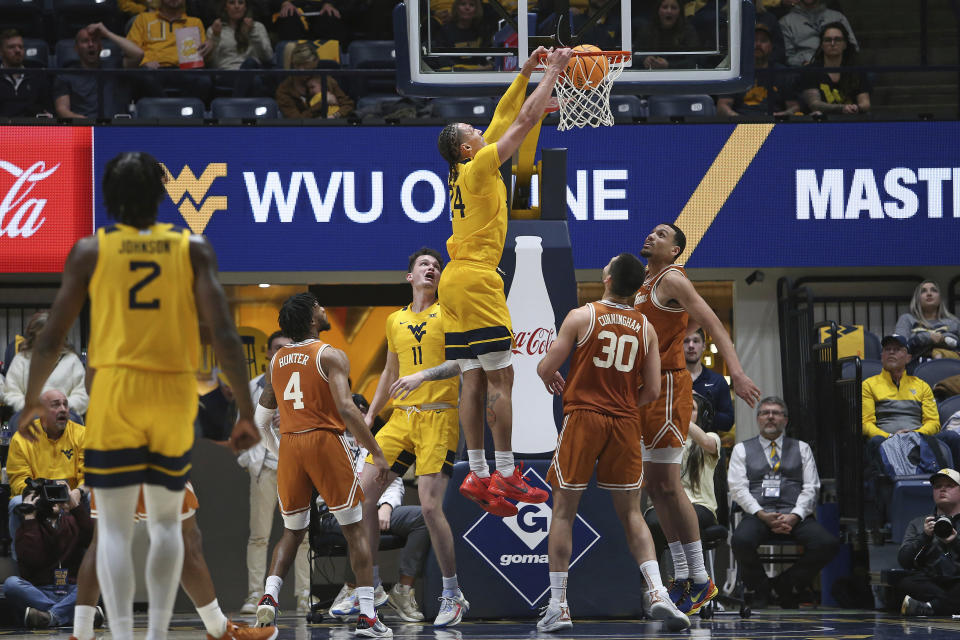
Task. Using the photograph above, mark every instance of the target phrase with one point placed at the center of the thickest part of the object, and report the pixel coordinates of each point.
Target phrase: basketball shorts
(611, 443)
(665, 421)
(426, 436)
(475, 316)
(318, 459)
(190, 505)
(140, 428)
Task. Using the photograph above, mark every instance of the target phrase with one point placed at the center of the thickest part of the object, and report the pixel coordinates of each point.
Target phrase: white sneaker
(401, 599)
(662, 608)
(451, 610)
(303, 602)
(267, 611)
(346, 603)
(556, 616)
(250, 604)
(380, 597)
(372, 628)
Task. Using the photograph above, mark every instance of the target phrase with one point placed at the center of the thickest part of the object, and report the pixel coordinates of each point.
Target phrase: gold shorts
(427, 437)
(475, 315)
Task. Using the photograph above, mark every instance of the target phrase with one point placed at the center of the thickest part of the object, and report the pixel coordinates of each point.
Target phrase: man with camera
(50, 544)
(930, 552)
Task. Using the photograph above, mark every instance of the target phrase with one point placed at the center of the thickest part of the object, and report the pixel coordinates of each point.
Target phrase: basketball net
(589, 104)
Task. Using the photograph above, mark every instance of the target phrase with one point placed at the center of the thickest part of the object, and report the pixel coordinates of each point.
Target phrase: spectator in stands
(465, 29)
(668, 31)
(775, 482)
(155, 33)
(301, 96)
(930, 552)
(21, 95)
(67, 376)
(76, 95)
(709, 384)
(237, 41)
(308, 19)
(605, 32)
(49, 548)
(701, 452)
(58, 456)
(931, 331)
(845, 92)
(766, 17)
(803, 26)
(261, 464)
(768, 94)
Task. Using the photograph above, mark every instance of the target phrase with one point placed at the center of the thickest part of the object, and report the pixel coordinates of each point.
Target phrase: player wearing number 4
(148, 283)
(475, 314)
(614, 347)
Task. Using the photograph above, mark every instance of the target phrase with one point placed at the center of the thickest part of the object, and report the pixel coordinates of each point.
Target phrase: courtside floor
(813, 624)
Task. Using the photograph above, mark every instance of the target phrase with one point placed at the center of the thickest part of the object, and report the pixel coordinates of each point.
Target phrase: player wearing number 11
(148, 284)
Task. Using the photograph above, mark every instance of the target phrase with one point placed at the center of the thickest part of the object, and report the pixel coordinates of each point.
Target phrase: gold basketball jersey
(418, 341)
(142, 311)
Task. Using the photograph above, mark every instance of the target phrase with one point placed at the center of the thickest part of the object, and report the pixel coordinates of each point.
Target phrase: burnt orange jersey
(607, 363)
(303, 393)
(670, 323)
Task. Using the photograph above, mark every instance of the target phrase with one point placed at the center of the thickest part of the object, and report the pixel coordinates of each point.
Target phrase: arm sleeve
(737, 481)
(904, 326)
(507, 109)
(30, 546)
(393, 494)
(16, 383)
(260, 43)
(869, 414)
(913, 540)
(18, 468)
(807, 500)
(931, 417)
(137, 36)
(81, 459)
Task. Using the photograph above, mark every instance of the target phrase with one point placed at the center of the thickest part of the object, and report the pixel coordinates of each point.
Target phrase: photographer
(931, 553)
(50, 545)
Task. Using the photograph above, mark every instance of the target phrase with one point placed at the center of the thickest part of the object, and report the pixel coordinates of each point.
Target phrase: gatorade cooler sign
(46, 201)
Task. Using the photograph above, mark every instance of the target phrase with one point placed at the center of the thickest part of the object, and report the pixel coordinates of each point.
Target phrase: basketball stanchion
(583, 89)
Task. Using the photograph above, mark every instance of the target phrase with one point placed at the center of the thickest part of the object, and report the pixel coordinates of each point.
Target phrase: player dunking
(669, 301)
(310, 378)
(147, 282)
(613, 346)
(475, 315)
(423, 427)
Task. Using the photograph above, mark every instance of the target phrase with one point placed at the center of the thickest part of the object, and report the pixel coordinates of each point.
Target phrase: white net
(583, 91)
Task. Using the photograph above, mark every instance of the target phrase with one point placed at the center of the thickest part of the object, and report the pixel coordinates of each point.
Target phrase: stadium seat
(626, 107)
(947, 408)
(479, 108)
(36, 53)
(66, 54)
(871, 345)
(372, 54)
(933, 371)
(868, 368)
(189, 108)
(697, 105)
(911, 497)
(247, 108)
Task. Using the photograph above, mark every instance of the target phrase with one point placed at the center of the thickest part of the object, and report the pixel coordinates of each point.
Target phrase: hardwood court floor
(814, 624)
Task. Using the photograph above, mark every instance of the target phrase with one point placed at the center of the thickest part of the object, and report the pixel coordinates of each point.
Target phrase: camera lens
(943, 527)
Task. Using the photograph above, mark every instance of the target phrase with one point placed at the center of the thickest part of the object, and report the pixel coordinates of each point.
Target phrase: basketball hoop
(583, 89)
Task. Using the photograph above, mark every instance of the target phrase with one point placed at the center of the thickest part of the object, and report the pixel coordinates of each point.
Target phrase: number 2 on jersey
(616, 351)
(135, 302)
(292, 391)
(458, 204)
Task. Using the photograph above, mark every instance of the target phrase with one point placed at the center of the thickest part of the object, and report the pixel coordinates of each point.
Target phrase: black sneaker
(372, 627)
(914, 607)
(98, 618)
(36, 619)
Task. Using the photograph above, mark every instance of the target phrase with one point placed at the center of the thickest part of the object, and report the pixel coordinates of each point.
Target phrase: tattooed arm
(407, 384)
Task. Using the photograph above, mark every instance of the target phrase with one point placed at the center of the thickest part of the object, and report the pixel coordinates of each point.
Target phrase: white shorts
(666, 455)
(489, 361)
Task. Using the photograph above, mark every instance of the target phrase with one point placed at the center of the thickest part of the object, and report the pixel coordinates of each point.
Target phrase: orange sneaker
(516, 488)
(240, 631)
(478, 490)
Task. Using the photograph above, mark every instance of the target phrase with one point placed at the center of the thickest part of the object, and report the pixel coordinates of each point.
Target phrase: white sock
(694, 553)
(365, 597)
(651, 573)
(680, 571)
(272, 587)
(83, 617)
(558, 587)
(505, 464)
(164, 557)
(376, 576)
(450, 587)
(115, 507)
(213, 619)
(478, 462)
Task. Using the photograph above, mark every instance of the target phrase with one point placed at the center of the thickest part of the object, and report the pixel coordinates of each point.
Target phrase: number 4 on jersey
(292, 391)
(458, 203)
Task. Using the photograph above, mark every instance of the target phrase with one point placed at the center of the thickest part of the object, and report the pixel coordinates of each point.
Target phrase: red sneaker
(516, 488)
(477, 489)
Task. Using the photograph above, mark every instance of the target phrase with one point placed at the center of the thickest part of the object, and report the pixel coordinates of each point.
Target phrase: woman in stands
(239, 42)
(931, 331)
(301, 96)
(466, 29)
(846, 92)
(669, 31)
(701, 452)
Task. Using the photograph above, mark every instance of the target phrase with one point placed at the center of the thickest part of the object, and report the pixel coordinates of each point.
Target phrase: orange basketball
(587, 71)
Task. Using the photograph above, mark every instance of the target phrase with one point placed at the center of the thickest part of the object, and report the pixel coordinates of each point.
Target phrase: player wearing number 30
(614, 347)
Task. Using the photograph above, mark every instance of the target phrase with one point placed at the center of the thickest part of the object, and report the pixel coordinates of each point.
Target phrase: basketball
(587, 71)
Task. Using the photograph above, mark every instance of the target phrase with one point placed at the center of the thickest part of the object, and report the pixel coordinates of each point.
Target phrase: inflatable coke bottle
(534, 428)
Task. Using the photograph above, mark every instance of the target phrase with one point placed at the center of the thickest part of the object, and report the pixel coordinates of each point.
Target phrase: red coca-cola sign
(533, 343)
(46, 197)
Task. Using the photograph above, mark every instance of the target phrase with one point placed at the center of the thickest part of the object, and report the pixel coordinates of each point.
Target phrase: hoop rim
(614, 56)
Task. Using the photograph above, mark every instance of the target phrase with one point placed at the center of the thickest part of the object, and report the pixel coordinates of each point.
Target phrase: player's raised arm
(650, 390)
(512, 101)
(77, 272)
(214, 313)
(337, 368)
(574, 325)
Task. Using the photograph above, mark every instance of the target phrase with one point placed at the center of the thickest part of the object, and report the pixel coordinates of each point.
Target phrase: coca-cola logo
(21, 215)
(535, 342)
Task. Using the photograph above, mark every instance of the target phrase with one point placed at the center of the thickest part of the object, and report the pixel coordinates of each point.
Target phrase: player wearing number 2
(148, 282)
(614, 348)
